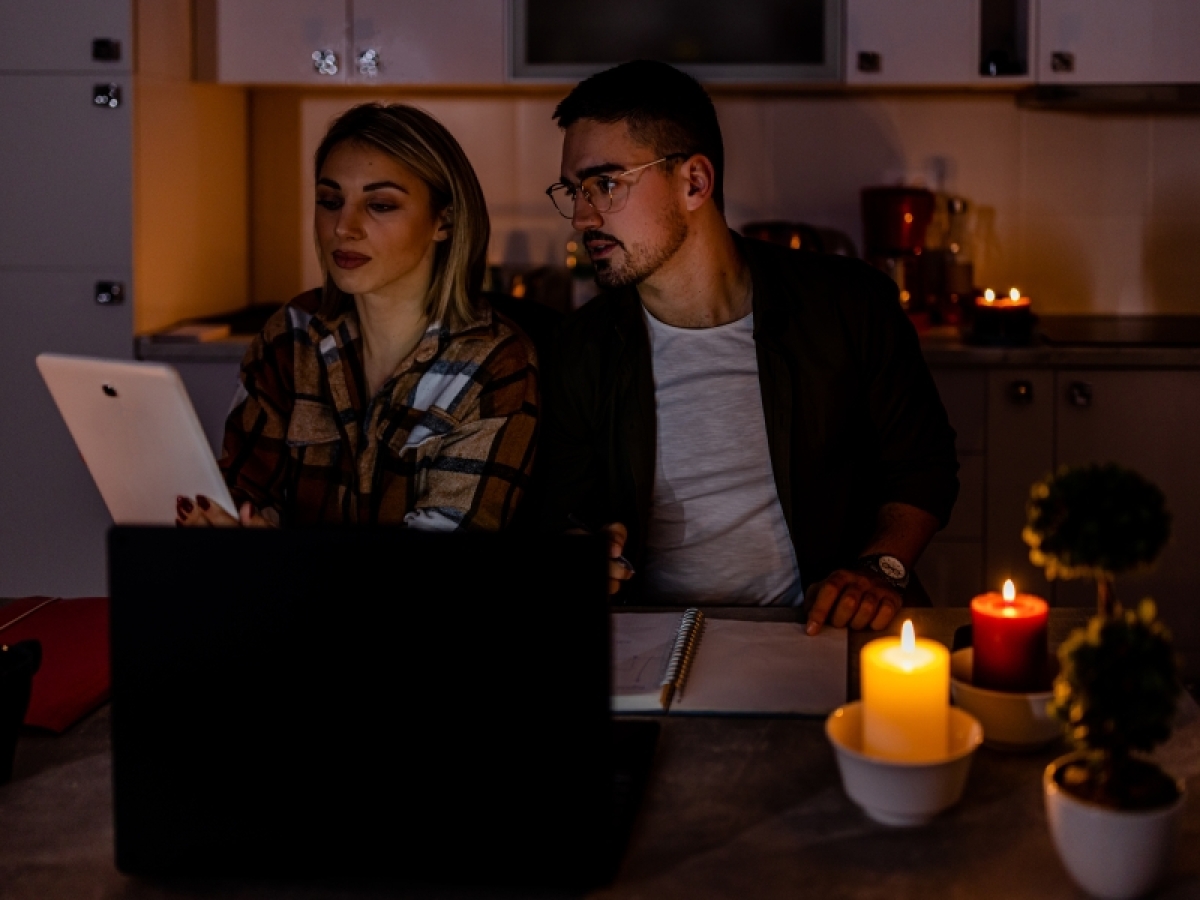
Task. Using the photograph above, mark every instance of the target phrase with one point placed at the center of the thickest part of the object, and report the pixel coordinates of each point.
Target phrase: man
(745, 421)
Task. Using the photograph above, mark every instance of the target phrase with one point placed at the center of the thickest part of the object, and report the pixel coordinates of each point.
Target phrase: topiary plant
(1095, 521)
(1116, 693)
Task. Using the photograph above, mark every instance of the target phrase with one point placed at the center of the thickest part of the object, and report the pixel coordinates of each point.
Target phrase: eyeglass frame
(587, 197)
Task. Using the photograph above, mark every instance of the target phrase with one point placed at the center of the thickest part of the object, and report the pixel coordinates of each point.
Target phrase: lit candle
(1009, 640)
(905, 698)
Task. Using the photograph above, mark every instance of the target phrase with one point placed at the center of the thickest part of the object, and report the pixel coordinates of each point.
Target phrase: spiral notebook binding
(681, 655)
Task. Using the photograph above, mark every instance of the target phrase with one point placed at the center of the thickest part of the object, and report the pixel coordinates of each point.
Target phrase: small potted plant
(1096, 521)
(1112, 812)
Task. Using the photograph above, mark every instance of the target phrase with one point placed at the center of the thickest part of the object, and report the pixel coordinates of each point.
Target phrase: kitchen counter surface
(736, 807)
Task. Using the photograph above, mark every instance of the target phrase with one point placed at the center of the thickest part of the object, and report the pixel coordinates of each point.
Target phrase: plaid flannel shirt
(447, 443)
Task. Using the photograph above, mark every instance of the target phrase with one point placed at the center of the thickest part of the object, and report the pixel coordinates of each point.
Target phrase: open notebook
(691, 663)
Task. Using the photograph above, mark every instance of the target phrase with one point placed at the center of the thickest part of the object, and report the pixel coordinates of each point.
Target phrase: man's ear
(701, 178)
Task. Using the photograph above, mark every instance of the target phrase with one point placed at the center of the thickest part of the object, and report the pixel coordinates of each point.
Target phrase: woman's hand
(203, 513)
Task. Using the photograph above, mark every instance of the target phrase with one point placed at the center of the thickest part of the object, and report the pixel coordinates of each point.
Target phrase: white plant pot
(1109, 853)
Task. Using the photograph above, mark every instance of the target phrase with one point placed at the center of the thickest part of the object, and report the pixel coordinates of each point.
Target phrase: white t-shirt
(717, 533)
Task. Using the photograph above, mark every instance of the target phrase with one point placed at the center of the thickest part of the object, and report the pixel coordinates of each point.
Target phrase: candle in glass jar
(905, 698)
(1009, 640)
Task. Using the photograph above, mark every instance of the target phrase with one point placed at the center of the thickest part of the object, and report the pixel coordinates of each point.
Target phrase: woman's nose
(349, 223)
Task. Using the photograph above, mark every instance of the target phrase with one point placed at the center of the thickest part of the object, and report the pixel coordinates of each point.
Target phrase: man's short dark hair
(665, 109)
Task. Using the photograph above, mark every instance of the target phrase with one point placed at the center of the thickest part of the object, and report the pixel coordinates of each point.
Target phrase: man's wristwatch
(886, 567)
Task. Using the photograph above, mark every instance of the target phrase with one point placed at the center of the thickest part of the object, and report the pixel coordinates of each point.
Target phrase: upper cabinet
(937, 42)
(327, 42)
(419, 42)
(1118, 41)
(66, 36)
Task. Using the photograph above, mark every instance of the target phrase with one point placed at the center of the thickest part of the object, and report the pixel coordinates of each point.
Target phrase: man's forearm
(903, 531)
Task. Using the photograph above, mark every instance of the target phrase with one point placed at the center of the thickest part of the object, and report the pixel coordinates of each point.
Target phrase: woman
(394, 394)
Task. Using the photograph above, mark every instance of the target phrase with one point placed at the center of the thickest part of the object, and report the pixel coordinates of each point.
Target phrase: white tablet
(138, 433)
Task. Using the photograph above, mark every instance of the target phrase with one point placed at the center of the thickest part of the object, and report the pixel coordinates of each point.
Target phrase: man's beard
(639, 262)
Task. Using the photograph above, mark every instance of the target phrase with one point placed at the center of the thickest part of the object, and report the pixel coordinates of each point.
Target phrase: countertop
(736, 807)
(1098, 342)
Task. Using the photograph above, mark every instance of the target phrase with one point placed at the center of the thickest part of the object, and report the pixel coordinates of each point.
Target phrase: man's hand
(854, 599)
(203, 513)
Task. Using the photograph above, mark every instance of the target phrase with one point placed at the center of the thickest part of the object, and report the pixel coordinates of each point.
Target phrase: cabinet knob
(1061, 61)
(106, 95)
(325, 62)
(1021, 392)
(369, 63)
(1079, 394)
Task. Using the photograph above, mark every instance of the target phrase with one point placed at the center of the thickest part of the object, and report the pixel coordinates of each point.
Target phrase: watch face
(892, 567)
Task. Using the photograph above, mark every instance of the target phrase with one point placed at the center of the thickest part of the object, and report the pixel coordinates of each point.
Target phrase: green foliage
(1095, 520)
(1118, 685)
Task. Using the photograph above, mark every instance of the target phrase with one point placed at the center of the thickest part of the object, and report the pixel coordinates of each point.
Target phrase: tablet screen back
(138, 433)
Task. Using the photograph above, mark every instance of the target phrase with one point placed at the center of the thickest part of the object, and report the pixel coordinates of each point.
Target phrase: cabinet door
(58, 35)
(66, 191)
(1118, 41)
(417, 42)
(917, 42)
(1144, 420)
(54, 522)
(271, 41)
(1020, 451)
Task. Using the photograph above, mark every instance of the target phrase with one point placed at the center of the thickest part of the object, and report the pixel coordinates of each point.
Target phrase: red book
(74, 677)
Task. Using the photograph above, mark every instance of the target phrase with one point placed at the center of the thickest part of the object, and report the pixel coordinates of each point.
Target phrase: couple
(737, 417)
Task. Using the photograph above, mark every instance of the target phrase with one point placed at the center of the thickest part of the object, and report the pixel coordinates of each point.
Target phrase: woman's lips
(346, 260)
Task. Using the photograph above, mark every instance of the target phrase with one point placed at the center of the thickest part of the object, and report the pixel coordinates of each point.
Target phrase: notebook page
(642, 644)
(765, 667)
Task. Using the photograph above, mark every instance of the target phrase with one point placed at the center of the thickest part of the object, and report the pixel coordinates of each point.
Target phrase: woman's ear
(445, 225)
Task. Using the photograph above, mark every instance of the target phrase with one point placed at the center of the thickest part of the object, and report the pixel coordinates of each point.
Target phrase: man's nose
(584, 215)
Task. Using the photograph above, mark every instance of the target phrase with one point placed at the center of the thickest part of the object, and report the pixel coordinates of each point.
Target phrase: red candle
(1009, 641)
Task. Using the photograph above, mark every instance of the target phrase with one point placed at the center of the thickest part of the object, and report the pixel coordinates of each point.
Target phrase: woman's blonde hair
(422, 143)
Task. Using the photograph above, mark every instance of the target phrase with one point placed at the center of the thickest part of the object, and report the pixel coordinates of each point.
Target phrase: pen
(576, 522)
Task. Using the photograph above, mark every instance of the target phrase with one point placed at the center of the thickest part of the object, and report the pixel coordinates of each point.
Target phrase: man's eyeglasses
(604, 193)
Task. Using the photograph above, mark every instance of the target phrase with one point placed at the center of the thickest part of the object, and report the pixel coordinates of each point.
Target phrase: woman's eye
(329, 203)
(381, 207)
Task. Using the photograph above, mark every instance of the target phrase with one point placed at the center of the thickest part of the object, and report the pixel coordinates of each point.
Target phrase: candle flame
(989, 296)
(1014, 294)
(908, 638)
(1010, 591)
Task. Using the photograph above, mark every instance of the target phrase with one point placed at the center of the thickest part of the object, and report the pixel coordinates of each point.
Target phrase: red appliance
(895, 220)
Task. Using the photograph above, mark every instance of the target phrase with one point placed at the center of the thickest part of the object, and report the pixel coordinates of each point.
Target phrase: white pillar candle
(905, 697)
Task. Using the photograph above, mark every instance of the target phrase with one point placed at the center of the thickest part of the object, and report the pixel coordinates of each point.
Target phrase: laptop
(371, 703)
(138, 434)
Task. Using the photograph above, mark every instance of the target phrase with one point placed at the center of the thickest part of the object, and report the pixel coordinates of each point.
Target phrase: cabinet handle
(325, 62)
(1021, 392)
(369, 63)
(869, 61)
(106, 95)
(1079, 394)
(1061, 61)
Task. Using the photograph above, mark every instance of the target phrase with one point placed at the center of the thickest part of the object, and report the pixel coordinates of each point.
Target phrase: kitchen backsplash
(1085, 213)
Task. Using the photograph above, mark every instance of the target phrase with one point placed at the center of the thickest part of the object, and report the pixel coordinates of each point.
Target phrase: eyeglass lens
(602, 192)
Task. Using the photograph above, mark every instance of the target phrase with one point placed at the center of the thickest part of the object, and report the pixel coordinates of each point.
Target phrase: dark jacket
(853, 418)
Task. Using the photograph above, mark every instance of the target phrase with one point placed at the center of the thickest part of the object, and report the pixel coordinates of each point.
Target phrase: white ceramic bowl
(1110, 853)
(897, 793)
(1011, 720)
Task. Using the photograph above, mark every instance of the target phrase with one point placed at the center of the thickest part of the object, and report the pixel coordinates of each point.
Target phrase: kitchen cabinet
(59, 212)
(364, 42)
(1020, 415)
(272, 41)
(94, 37)
(417, 42)
(1118, 41)
(67, 229)
(936, 42)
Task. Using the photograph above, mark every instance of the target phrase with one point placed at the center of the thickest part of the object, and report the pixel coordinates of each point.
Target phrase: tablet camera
(109, 390)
